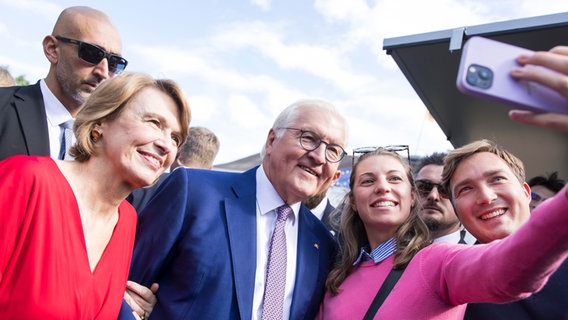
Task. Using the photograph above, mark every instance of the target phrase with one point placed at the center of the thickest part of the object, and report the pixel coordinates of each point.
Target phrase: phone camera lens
(484, 74)
(479, 76)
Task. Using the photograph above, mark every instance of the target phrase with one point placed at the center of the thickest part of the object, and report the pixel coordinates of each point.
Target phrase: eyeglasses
(424, 188)
(94, 54)
(310, 141)
(357, 152)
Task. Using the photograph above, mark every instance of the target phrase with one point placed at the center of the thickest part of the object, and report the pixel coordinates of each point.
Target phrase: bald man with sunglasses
(83, 50)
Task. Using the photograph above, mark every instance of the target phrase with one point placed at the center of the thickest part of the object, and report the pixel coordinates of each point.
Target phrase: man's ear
(335, 177)
(50, 49)
(270, 141)
(527, 191)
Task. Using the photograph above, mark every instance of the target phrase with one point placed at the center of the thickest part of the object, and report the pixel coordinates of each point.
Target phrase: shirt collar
(320, 208)
(266, 196)
(453, 237)
(55, 111)
(381, 252)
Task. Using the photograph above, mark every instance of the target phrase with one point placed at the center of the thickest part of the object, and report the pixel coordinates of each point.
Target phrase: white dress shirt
(267, 201)
(56, 114)
(454, 237)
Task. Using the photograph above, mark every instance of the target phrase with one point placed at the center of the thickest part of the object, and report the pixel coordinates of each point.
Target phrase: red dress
(44, 268)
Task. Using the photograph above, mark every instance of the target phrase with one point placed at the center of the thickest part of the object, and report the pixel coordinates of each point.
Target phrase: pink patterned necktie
(273, 306)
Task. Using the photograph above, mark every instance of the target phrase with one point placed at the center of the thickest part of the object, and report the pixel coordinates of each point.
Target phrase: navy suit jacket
(23, 122)
(197, 239)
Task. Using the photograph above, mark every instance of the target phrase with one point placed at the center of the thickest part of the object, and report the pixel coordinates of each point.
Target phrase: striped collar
(381, 252)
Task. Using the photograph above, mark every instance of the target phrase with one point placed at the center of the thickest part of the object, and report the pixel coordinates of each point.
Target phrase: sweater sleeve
(503, 270)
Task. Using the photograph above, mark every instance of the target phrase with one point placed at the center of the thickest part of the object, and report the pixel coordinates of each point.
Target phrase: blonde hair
(200, 149)
(455, 157)
(411, 236)
(108, 100)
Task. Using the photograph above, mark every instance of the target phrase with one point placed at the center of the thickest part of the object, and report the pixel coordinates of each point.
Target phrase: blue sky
(241, 62)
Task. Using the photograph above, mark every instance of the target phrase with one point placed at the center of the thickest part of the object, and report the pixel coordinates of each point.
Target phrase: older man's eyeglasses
(357, 152)
(310, 141)
(94, 54)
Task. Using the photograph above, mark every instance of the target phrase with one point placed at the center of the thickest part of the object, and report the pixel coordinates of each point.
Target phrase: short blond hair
(200, 149)
(455, 157)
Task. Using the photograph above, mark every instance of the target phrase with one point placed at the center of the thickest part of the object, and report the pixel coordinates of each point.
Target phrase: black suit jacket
(550, 303)
(327, 219)
(23, 122)
(140, 197)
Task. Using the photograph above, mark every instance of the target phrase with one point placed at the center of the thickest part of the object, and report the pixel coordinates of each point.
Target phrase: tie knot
(283, 212)
(67, 124)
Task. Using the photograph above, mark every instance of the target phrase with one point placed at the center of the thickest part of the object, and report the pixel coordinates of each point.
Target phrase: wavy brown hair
(411, 236)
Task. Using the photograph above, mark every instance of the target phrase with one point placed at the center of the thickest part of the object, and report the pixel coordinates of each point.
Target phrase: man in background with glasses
(544, 187)
(83, 50)
(437, 211)
(226, 245)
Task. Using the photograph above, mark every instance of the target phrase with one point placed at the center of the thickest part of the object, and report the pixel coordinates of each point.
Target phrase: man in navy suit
(31, 116)
(205, 235)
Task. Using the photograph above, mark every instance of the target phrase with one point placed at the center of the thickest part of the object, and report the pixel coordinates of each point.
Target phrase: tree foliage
(21, 80)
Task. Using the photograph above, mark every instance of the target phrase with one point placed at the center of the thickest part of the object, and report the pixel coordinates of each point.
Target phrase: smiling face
(382, 195)
(142, 142)
(295, 173)
(488, 197)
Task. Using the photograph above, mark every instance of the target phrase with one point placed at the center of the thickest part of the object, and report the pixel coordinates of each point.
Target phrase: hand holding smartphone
(484, 72)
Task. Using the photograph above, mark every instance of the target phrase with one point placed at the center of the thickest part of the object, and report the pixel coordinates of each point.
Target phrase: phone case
(484, 72)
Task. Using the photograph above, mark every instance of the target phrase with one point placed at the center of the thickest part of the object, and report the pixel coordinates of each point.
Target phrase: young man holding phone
(495, 178)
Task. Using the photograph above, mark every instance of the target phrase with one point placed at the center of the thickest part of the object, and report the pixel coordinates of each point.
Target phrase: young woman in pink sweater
(380, 231)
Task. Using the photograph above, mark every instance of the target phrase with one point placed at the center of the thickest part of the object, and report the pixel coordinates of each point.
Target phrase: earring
(96, 135)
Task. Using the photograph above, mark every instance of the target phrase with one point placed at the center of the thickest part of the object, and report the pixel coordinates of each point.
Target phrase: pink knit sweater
(442, 278)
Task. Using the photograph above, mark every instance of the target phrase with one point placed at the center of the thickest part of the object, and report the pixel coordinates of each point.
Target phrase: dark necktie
(273, 305)
(66, 140)
(462, 237)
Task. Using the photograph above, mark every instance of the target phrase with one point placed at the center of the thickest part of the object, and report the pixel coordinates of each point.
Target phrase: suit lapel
(307, 265)
(30, 108)
(240, 213)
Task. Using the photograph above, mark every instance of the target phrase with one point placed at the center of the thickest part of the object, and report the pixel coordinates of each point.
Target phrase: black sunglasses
(94, 54)
(357, 152)
(425, 187)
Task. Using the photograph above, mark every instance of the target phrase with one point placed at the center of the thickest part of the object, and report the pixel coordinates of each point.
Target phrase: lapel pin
(316, 246)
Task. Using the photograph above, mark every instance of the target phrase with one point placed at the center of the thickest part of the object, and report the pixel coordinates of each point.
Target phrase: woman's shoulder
(22, 164)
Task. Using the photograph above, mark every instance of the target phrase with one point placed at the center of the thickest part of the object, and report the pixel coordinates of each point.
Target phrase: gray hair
(289, 115)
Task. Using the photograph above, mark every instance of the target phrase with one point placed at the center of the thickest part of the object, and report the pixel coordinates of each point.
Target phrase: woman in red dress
(66, 232)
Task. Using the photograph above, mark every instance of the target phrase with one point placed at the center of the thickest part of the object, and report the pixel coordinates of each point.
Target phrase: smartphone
(484, 72)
